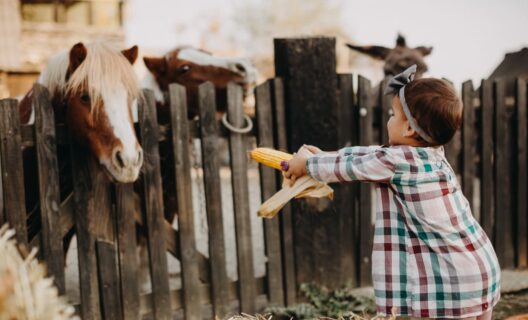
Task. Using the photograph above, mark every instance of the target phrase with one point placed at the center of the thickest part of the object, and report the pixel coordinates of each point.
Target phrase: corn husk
(304, 187)
(25, 292)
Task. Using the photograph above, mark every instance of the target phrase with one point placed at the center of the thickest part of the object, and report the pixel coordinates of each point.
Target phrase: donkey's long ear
(131, 54)
(77, 55)
(425, 51)
(157, 66)
(376, 52)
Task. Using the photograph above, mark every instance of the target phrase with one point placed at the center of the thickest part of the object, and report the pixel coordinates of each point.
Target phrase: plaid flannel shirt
(430, 258)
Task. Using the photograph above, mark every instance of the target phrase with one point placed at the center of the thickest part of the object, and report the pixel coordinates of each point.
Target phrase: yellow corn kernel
(270, 157)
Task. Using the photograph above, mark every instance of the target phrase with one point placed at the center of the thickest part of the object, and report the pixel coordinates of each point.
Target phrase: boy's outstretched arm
(374, 164)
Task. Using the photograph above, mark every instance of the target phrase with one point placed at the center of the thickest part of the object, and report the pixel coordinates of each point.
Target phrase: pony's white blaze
(117, 110)
(148, 82)
(242, 66)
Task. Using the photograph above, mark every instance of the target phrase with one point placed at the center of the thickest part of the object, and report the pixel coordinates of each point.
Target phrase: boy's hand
(312, 149)
(295, 168)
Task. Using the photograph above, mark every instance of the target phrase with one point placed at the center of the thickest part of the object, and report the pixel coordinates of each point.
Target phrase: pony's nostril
(140, 157)
(119, 159)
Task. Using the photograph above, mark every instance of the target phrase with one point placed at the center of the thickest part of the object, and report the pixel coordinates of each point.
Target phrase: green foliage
(338, 304)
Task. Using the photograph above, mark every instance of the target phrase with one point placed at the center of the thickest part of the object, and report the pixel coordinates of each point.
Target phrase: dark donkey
(398, 58)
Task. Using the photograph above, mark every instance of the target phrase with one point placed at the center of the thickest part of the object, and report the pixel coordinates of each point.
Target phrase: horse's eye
(85, 98)
(185, 68)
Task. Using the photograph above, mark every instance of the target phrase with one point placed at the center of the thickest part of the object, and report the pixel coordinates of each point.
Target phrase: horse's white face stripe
(116, 107)
(202, 58)
(148, 82)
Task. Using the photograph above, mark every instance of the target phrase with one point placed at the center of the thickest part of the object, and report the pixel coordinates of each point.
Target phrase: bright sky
(470, 37)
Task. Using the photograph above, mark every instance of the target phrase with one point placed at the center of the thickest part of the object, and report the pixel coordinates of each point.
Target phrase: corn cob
(270, 157)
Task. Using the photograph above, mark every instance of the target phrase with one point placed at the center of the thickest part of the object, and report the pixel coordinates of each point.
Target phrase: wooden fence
(102, 212)
(489, 154)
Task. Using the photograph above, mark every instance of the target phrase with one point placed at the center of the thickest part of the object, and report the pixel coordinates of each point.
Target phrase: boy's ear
(409, 131)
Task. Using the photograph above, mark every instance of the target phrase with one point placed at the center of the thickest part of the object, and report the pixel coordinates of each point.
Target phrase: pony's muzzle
(126, 163)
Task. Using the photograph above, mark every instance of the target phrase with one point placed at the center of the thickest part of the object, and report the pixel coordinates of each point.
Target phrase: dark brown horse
(191, 67)
(92, 88)
(398, 58)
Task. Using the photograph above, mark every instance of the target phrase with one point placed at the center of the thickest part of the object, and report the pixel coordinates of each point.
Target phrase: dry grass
(25, 292)
(349, 316)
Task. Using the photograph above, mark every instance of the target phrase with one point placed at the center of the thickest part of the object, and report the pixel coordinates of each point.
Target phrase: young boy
(431, 259)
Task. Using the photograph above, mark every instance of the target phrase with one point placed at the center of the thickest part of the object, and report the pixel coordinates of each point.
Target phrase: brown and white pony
(92, 88)
(398, 58)
(191, 67)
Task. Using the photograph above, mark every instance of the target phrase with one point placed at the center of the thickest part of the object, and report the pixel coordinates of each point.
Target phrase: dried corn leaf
(304, 187)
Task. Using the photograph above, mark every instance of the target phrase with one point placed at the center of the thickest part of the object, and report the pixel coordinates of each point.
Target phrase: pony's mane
(104, 69)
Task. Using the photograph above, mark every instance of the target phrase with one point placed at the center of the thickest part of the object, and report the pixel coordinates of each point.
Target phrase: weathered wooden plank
(85, 174)
(154, 207)
(522, 175)
(504, 208)
(48, 169)
(12, 169)
(213, 199)
(385, 111)
(127, 250)
(365, 199)
(345, 196)
(268, 187)
(468, 142)
(239, 181)
(108, 280)
(487, 183)
(182, 163)
(285, 217)
(311, 105)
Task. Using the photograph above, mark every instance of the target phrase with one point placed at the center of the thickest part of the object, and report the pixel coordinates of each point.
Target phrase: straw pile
(25, 292)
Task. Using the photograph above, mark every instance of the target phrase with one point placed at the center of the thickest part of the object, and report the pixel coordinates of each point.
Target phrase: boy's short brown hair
(436, 107)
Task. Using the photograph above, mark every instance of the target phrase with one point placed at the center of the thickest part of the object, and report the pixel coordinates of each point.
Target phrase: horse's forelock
(103, 71)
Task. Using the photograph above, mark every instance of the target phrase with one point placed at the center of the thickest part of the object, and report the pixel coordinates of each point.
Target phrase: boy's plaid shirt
(430, 257)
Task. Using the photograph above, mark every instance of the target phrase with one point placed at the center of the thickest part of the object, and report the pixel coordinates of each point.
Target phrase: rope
(234, 129)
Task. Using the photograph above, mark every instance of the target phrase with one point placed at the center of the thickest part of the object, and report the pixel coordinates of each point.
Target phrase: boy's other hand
(313, 149)
(296, 168)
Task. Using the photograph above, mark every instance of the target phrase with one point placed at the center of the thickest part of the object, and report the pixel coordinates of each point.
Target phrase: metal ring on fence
(232, 128)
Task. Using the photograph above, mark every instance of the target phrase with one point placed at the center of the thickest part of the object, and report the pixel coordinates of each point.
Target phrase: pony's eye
(185, 68)
(85, 98)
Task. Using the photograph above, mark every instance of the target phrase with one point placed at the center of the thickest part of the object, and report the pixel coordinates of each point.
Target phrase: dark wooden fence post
(154, 208)
(468, 141)
(237, 146)
(213, 199)
(182, 168)
(308, 68)
(12, 169)
(487, 182)
(522, 175)
(366, 228)
(268, 187)
(348, 192)
(48, 184)
(504, 175)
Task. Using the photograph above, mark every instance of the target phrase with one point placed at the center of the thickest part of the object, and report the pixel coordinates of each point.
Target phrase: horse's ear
(156, 65)
(131, 54)
(376, 52)
(77, 55)
(425, 51)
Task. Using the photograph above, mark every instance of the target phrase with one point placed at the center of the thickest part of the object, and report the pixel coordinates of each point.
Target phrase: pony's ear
(157, 66)
(425, 51)
(77, 55)
(131, 54)
(376, 52)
